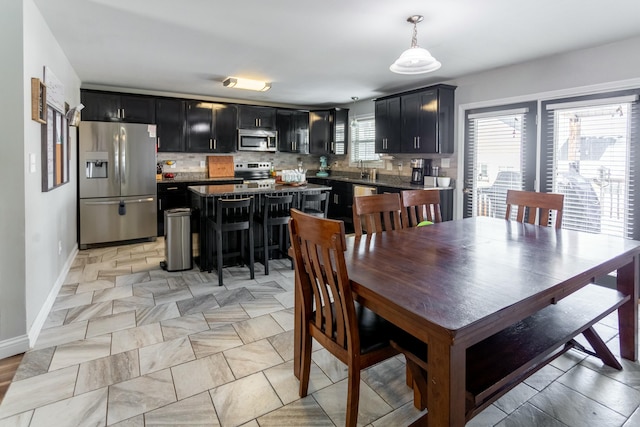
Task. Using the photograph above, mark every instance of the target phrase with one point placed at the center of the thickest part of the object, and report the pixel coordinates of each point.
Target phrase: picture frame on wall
(38, 101)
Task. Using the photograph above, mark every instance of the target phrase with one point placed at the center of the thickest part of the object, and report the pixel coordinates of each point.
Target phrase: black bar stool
(233, 215)
(275, 212)
(316, 204)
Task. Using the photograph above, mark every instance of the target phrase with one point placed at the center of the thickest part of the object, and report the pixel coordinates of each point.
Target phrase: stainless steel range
(255, 174)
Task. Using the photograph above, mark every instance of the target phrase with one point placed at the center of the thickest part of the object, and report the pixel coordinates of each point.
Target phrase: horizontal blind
(363, 140)
(340, 138)
(496, 157)
(591, 160)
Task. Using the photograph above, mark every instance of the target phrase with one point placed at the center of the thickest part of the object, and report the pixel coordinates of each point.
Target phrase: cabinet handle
(210, 144)
(418, 143)
(215, 144)
(172, 188)
(333, 147)
(158, 142)
(122, 114)
(159, 204)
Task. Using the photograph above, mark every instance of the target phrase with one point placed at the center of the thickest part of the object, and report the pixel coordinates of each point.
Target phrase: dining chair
(234, 215)
(419, 206)
(315, 204)
(274, 213)
(376, 213)
(542, 204)
(352, 333)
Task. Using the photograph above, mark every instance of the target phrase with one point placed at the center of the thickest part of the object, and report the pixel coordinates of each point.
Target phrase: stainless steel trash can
(177, 240)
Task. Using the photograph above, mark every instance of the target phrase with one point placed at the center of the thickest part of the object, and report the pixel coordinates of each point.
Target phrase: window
(588, 156)
(363, 140)
(500, 155)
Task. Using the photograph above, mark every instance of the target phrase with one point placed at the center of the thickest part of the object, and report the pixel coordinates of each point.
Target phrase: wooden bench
(502, 361)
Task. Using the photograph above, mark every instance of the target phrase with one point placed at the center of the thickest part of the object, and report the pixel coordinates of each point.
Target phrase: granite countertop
(188, 179)
(385, 181)
(235, 189)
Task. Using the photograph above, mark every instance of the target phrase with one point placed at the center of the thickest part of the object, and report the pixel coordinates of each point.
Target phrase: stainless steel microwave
(257, 140)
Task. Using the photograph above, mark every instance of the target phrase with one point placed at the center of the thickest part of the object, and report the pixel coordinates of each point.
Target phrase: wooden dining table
(456, 283)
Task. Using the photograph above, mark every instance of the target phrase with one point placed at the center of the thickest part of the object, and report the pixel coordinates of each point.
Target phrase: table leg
(446, 384)
(627, 282)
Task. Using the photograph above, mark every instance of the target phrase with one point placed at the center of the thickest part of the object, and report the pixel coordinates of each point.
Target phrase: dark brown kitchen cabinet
(293, 131)
(116, 107)
(388, 125)
(170, 117)
(328, 131)
(427, 120)
(211, 127)
(253, 117)
(171, 195)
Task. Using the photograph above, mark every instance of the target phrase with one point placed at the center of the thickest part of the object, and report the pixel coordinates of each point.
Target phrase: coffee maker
(419, 169)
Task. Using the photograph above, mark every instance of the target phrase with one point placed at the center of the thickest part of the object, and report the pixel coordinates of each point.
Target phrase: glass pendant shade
(415, 60)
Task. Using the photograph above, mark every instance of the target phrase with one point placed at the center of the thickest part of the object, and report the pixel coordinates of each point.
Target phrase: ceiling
(316, 53)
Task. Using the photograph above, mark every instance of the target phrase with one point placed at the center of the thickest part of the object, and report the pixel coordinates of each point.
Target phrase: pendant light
(415, 60)
(354, 121)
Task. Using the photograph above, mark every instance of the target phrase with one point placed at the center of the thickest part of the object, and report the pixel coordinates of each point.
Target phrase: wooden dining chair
(533, 205)
(419, 206)
(376, 213)
(349, 331)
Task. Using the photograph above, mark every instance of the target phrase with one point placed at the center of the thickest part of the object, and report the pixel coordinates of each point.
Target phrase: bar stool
(275, 212)
(315, 204)
(233, 215)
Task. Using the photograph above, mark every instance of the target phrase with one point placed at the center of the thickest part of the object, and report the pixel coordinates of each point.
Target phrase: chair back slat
(318, 246)
(534, 207)
(420, 205)
(376, 213)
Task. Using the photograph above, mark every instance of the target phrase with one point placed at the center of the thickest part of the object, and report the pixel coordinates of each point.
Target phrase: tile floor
(127, 344)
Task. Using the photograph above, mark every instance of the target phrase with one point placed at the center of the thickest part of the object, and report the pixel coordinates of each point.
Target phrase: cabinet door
(428, 122)
(225, 129)
(319, 131)
(252, 117)
(102, 107)
(170, 120)
(199, 127)
(411, 105)
(388, 125)
(137, 109)
(286, 133)
(301, 132)
(170, 196)
(445, 120)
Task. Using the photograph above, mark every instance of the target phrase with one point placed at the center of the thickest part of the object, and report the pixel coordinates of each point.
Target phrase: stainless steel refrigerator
(117, 182)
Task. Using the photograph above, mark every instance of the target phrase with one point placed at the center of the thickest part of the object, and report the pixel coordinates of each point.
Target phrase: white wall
(50, 217)
(13, 325)
(32, 222)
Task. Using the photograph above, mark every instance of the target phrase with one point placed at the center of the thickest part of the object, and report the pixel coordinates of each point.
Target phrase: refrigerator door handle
(116, 202)
(116, 158)
(123, 155)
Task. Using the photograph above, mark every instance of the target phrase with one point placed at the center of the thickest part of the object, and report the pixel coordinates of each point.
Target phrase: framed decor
(55, 150)
(38, 101)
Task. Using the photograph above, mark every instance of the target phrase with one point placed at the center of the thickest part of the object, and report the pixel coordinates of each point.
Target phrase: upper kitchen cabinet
(427, 120)
(170, 117)
(211, 127)
(116, 107)
(293, 131)
(328, 131)
(253, 117)
(388, 125)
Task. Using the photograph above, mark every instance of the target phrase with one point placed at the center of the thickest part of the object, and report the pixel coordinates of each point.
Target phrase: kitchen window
(363, 133)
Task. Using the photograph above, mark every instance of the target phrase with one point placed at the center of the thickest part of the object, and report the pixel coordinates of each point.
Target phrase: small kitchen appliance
(419, 169)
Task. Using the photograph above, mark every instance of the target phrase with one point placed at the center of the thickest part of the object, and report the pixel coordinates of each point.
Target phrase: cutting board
(220, 166)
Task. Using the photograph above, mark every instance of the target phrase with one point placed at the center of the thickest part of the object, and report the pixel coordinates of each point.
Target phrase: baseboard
(13, 346)
(37, 325)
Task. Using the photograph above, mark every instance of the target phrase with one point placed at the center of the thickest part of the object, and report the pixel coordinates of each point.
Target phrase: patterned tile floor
(127, 344)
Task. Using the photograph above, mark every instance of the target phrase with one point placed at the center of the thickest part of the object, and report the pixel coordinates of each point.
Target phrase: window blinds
(363, 140)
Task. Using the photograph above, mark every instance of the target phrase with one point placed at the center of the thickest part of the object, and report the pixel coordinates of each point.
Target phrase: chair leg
(353, 394)
(265, 255)
(305, 361)
(219, 255)
(251, 248)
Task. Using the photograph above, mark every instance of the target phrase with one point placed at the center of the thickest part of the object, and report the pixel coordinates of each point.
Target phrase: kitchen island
(203, 203)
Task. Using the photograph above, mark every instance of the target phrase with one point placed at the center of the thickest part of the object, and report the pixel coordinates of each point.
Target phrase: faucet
(363, 174)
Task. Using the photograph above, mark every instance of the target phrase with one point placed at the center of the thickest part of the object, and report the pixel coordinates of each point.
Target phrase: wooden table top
(465, 280)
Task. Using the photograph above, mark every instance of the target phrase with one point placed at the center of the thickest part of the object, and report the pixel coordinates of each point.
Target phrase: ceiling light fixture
(354, 121)
(248, 84)
(415, 60)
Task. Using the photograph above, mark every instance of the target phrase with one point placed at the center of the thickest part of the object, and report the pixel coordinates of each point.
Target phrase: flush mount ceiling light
(415, 60)
(248, 84)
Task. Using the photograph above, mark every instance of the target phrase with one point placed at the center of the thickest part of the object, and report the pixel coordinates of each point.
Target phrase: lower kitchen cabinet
(170, 196)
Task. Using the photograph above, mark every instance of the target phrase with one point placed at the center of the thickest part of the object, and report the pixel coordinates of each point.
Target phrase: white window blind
(590, 159)
(340, 138)
(363, 140)
(495, 159)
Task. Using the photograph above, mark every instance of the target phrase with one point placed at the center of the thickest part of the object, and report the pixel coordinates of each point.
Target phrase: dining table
(456, 283)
